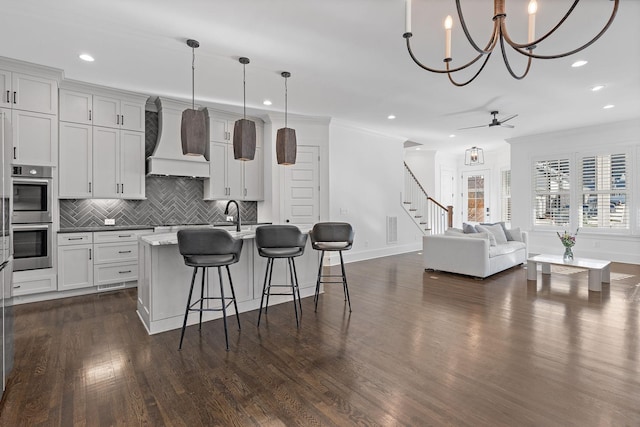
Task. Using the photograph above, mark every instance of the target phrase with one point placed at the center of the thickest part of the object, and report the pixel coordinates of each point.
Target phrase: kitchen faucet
(226, 211)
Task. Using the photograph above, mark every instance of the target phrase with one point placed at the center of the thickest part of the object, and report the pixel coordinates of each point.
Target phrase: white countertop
(162, 239)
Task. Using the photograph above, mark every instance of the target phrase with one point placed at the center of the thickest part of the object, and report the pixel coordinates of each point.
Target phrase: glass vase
(568, 254)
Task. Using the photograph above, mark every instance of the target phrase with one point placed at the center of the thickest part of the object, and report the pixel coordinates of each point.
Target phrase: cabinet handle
(15, 101)
(122, 188)
(89, 253)
(17, 287)
(123, 272)
(75, 238)
(14, 153)
(89, 115)
(117, 119)
(122, 120)
(124, 252)
(117, 188)
(245, 192)
(89, 187)
(8, 97)
(127, 235)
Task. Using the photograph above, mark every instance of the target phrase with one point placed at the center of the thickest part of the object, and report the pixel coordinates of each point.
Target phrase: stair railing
(428, 214)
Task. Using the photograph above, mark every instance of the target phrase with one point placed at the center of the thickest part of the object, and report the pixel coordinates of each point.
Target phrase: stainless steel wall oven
(31, 217)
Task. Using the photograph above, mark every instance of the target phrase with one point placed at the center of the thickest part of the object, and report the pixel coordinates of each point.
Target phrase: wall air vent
(392, 230)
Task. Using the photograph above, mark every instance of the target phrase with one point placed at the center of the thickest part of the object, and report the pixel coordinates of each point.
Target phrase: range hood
(167, 158)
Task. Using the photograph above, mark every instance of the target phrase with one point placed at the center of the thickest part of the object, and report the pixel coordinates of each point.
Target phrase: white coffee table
(599, 271)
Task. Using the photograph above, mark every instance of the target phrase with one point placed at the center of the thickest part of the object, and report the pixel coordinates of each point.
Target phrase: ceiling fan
(494, 122)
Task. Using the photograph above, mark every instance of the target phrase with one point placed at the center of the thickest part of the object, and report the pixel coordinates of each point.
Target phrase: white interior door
(302, 188)
(475, 196)
(447, 187)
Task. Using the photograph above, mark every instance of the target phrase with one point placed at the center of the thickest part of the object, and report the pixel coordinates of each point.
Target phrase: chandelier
(499, 34)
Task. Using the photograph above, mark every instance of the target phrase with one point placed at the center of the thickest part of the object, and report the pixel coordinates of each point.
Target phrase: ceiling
(347, 58)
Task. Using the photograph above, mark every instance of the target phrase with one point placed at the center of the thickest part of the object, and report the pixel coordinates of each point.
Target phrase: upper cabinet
(230, 178)
(117, 112)
(103, 129)
(28, 92)
(31, 93)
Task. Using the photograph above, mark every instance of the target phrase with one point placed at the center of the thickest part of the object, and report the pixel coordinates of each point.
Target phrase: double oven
(31, 217)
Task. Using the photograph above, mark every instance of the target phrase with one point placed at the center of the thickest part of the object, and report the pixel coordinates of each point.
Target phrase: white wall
(366, 177)
(621, 247)
(422, 164)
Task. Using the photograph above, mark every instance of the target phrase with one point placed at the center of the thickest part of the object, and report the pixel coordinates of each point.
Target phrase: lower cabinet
(105, 259)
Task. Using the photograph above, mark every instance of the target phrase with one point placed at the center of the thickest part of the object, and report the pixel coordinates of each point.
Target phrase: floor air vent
(392, 230)
(110, 287)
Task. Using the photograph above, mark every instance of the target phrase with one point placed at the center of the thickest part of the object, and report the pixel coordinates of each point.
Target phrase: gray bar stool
(280, 241)
(204, 248)
(332, 236)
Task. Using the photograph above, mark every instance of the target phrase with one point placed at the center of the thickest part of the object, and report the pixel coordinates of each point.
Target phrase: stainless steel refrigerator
(6, 258)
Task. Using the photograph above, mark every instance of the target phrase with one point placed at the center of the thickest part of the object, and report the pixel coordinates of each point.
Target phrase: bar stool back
(280, 241)
(204, 248)
(332, 236)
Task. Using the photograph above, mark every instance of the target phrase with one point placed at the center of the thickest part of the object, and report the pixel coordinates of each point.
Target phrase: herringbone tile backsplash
(170, 200)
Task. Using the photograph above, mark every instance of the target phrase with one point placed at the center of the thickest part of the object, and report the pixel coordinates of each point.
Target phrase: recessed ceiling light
(418, 149)
(452, 136)
(609, 106)
(597, 88)
(267, 102)
(579, 63)
(86, 57)
(391, 117)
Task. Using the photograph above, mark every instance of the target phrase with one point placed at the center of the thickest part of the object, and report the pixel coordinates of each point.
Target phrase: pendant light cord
(286, 97)
(193, 77)
(244, 89)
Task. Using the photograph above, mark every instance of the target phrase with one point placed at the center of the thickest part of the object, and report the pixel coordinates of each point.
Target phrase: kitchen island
(164, 280)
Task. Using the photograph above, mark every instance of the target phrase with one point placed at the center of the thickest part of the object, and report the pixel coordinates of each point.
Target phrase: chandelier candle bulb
(448, 23)
(532, 9)
(407, 24)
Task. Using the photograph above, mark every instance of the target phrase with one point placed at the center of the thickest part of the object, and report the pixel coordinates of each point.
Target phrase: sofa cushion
(496, 230)
(505, 248)
(482, 235)
(501, 224)
(468, 228)
(514, 235)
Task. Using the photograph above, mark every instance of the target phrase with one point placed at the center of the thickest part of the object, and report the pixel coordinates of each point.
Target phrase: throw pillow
(514, 235)
(468, 228)
(495, 230)
(501, 223)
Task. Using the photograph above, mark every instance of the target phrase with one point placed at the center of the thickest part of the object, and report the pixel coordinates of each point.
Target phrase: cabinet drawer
(114, 273)
(34, 286)
(115, 252)
(65, 239)
(119, 236)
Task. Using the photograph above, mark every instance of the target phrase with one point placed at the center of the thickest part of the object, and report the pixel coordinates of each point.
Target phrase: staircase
(428, 214)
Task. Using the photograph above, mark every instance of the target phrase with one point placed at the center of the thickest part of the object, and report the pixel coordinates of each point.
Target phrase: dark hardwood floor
(420, 348)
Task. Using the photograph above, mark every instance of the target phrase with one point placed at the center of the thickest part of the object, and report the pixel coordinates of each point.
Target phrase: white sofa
(473, 254)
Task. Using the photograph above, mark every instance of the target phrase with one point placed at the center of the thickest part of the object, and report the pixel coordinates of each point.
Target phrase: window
(505, 195)
(605, 192)
(475, 198)
(551, 181)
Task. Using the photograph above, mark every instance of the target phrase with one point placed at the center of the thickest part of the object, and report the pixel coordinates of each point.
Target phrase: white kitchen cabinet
(230, 178)
(76, 161)
(116, 257)
(28, 92)
(118, 164)
(119, 113)
(76, 107)
(75, 261)
(35, 138)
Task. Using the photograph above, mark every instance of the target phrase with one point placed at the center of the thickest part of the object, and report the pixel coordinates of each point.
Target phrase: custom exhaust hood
(167, 157)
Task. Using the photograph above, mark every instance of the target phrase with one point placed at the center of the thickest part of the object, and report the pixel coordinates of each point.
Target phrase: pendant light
(286, 145)
(194, 129)
(244, 130)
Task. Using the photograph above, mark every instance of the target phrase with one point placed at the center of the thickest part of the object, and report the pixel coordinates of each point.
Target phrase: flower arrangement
(568, 240)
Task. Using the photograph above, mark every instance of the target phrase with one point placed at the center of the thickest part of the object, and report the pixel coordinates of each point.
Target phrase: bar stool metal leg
(345, 287)
(224, 308)
(293, 292)
(317, 294)
(233, 294)
(186, 312)
(264, 290)
(204, 271)
(295, 275)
